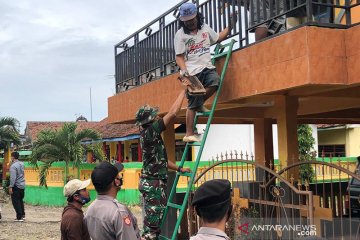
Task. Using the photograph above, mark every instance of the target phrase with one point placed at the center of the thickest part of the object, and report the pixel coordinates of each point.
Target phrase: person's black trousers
(18, 203)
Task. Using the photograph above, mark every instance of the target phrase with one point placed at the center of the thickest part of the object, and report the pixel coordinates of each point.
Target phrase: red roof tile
(106, 130)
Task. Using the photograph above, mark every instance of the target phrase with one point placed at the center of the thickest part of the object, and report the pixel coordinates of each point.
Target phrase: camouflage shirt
(155, 161)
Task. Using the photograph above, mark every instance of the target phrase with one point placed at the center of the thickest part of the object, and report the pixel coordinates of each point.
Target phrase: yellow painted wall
(131, 175)
(353, 142)
(355, 13)
(131, 178)
(349, 136)
(113, 150)
(332, 137)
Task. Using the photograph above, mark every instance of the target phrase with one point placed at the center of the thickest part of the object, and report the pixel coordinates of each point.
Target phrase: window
(122, 151)
(107, 152)
(134, 152)
(333, 150)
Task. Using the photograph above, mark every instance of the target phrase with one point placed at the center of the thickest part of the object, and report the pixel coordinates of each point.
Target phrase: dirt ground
(41, 222)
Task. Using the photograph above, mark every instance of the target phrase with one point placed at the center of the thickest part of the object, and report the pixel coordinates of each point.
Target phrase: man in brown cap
(212, 202)
(72, 220)
(106, 218)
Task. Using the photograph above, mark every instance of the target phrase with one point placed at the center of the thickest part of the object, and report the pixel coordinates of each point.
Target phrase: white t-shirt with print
(196, 48)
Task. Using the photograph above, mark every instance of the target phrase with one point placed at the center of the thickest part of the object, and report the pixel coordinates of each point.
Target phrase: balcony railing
(149, 54)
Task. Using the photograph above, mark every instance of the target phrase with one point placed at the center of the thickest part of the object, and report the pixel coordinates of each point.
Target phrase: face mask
(120, 183)
(84, 200)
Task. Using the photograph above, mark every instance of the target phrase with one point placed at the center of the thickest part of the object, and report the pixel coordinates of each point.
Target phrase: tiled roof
(105, 129)
(323, 126)
(116, 130)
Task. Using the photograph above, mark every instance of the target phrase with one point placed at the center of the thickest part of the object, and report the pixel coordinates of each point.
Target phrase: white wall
(315, 136)
(226, 137)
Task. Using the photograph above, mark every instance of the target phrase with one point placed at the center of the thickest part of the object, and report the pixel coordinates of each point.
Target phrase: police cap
(104, 173)
(212, 192)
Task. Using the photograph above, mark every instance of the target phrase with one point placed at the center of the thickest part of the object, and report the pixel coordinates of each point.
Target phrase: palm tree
(63, 145)
(9, 132)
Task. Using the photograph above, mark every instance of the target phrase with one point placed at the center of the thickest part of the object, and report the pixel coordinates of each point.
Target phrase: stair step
(220, 55)
(173, 205)
(194, 144)
(186, 174)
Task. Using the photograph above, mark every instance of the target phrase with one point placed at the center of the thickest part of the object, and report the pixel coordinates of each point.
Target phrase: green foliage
(6, 183)
(306, 151)
(62, 145)
(9, 132)
(241, 216)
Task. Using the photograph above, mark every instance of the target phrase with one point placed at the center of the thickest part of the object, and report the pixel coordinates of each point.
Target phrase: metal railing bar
(152, 22)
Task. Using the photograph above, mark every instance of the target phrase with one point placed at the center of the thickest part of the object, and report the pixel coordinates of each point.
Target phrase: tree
(63, 145)
(306, 151)
(9, 132)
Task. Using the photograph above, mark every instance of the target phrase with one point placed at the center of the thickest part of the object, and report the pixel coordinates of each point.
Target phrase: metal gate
(274, 203)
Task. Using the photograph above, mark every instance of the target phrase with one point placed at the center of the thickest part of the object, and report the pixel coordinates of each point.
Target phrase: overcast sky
(53, 51)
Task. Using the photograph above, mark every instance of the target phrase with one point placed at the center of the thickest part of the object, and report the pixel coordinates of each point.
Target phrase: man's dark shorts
(208, 78)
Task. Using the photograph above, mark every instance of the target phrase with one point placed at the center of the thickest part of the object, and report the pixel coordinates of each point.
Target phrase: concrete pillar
(264, 153)
(104, 149)
(139, 152)
(112, 150)
(169, 140)
(89, 157)
(119, 152)
(126, 150)
(287, 132)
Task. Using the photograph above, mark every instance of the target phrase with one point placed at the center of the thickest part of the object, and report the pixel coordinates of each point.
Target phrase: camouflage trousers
(154, 196)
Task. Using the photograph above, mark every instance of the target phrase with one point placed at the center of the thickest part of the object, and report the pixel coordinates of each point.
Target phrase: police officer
(153, 180)
(212, 202)
(106, 218)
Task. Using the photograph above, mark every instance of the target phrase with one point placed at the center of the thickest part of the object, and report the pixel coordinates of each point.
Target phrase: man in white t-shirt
(192, 48)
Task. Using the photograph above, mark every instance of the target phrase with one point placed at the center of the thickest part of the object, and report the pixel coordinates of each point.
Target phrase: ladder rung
(220, 55)
(187, 174)
(195, 144)
(226, 45)
(173, 205)
(203, 113)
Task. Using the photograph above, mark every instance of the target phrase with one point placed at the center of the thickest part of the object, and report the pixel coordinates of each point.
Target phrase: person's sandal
(192, 138)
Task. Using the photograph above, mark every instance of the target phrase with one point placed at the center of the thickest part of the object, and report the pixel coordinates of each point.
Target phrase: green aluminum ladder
(220, 51)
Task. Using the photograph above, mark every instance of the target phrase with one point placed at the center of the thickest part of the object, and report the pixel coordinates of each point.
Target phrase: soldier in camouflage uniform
(153, 180)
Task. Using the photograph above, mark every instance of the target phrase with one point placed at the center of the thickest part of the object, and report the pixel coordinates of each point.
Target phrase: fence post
(309, 11)
(348, 12)
(136, 60)
(162, 45)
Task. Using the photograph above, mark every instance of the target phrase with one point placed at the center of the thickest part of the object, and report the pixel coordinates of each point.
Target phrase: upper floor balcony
(315, 62)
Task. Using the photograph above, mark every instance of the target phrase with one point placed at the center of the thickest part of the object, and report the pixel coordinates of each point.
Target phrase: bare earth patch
(41, 222)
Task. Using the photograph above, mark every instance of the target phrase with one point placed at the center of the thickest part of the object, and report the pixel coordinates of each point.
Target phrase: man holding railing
(260, 13)
(297, 16)
(192, 48)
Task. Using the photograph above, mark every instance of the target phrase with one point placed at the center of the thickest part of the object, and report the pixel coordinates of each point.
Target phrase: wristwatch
(179, 169)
